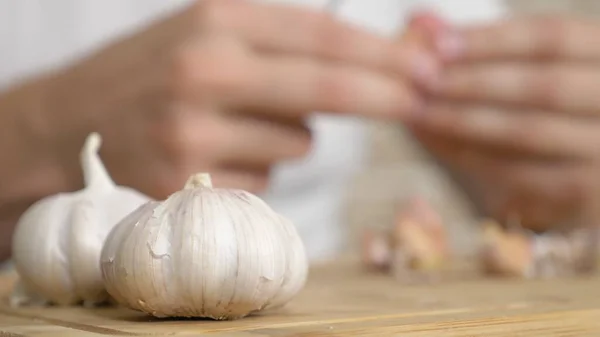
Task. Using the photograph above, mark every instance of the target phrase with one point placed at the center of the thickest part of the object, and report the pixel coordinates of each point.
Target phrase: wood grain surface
(343, 300)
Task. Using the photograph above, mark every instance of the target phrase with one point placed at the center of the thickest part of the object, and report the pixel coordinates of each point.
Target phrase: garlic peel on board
(376, 250)
(552, 254)
(414, 249)
(57, 241)
(204, 252)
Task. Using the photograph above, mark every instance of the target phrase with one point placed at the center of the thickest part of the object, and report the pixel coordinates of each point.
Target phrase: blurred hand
(517, 110)
(225, 86)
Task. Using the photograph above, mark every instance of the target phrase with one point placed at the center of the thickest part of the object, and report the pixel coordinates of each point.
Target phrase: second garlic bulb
(58, 240)
(204, 252)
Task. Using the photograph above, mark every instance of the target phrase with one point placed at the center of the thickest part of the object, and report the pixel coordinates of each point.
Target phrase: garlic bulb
(204, 252)
(58, 240)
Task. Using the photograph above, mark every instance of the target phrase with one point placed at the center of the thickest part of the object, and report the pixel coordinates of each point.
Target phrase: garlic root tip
(199, 180)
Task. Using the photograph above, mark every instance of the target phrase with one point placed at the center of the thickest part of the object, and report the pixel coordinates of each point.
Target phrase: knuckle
(475, 121)
(552, 34)
(325, 33)
(546, 85)
(302, 143)
(461, 81)
(174, 143)
(183, 71)
(208, 71)
(334, 89)
(187, 139)
(213, 14)
(526, 131)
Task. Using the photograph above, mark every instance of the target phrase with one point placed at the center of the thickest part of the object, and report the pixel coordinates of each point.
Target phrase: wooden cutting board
(342, 300)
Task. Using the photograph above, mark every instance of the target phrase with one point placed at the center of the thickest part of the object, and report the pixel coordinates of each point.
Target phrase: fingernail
(450, 45)
(426, 70)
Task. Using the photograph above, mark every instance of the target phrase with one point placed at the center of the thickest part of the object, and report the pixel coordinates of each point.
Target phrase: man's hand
(518, 112)
(225, 86)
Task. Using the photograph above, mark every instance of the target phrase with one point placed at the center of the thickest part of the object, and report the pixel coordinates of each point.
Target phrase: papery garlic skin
(204, 252)
(565, 254)
(57, 242)
(521, 253)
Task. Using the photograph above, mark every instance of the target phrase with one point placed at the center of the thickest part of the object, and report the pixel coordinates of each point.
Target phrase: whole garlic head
(204, 252)
(57, 242)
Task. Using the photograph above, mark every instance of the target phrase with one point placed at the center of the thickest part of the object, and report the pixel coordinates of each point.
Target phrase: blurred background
(395, 172)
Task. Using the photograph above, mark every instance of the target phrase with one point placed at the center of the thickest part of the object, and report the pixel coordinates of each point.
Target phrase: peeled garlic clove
(419, 238)
(506, 253)
(204, 252)
(421, 246)
(57, 242)
(376, 250)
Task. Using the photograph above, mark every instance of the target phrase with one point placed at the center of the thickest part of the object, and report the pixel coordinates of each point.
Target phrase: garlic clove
(419, 238)
(144, 251)
(296, 274)
(426, 251)
(84, 247)
(39, 250)
(204, 252)
(506, 253)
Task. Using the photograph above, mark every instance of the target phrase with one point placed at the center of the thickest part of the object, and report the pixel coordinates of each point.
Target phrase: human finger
(294, 30)
(564, 87)
(290, 84)
(301, 85)
(525, 37)
(250, 142)
(545, 196)
(193, 139)
(534, 133)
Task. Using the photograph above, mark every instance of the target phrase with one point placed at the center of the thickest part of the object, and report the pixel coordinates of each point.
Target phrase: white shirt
(37, 35)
